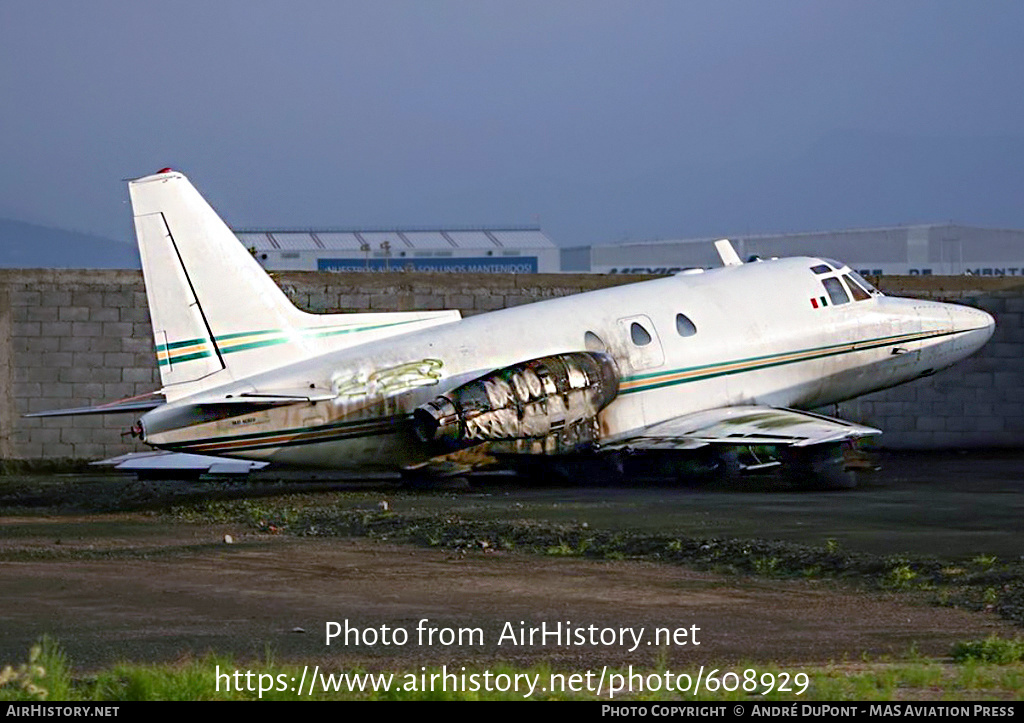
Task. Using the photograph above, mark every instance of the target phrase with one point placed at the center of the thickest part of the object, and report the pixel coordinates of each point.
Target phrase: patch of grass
(900, 577)
(45, 676)
(221, 678)
(985, 562)
(992, 649)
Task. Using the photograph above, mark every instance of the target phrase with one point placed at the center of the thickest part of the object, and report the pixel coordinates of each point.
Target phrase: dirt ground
(138, 586)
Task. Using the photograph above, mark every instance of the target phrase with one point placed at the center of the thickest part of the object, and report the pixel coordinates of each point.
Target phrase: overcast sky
(604, 120)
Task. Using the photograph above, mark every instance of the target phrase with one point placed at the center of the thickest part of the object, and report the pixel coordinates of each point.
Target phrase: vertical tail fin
(209, 298)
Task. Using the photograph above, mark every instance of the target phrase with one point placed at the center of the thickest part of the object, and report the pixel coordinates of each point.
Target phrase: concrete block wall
(75, 338)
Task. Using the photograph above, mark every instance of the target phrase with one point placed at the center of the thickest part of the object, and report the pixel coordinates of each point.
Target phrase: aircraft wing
(741, 426)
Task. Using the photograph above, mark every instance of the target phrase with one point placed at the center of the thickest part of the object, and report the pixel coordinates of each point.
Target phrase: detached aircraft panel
(745, 425)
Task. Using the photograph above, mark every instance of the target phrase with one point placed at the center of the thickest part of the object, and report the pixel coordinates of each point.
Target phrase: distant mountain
(26, 245)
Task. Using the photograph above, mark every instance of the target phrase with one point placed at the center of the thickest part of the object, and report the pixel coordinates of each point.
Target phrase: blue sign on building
(482, 265)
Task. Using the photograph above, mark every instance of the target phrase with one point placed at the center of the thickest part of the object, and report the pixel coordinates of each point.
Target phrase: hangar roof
(416, 239)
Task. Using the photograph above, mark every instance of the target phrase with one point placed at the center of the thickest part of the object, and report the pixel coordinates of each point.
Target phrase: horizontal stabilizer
(142, 403)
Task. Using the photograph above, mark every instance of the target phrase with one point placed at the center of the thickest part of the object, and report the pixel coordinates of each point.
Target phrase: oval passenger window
(639, 335)
(684, 326)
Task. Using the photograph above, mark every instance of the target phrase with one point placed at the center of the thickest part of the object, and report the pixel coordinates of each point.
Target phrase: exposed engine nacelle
(545, 405)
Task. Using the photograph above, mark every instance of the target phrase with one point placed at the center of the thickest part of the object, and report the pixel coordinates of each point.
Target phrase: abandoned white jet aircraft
(703, 360)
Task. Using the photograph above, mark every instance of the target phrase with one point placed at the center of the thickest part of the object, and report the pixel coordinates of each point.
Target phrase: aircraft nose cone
(977, 325)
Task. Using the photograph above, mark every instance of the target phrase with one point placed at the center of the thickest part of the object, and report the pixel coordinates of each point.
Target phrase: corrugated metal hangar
(927, 249)
(477, 250)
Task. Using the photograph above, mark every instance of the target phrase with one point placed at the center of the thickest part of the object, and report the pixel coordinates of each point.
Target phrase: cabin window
(835, 290)
(859, 294)
(593, 342)
(639, 335)
(821, 269)
(684, 326)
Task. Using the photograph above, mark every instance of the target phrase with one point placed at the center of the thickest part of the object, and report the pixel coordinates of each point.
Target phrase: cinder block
(30, 450)
(45, 437)
(137, 374)
(38, 313)
(118, 299)
(978, 409)
(931, 424)
(488, 303)
(37, 344)
(986, 424)
(427, 302)
(118, 360)
(893, 425)
(21, 297)
(104, 344)
(136, 344)
(27, 389)
(59, 359)
(1004, 350)
(26, 328)
(44, 375)
(73, 313)
(86, 328)
(977, 379)
(133, 315)
(89, 450)
(74, 375)
(119, 329)
(118, 390)
(1015, 303)
(92, 392)
(320, 302)
(105, 314)
(353, 302)
(1008, 409)
(1007, 379)
(517, 300)
(56, 298)
(458, 301)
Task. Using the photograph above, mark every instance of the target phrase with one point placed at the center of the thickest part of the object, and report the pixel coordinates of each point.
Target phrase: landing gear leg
(821, 467)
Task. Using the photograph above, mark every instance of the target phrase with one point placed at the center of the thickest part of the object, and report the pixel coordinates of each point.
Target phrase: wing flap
(746, 425)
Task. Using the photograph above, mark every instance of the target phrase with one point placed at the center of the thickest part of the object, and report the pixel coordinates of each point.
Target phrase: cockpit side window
(859, 294)
(865, 284)
(835, 290)
(821, 269)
